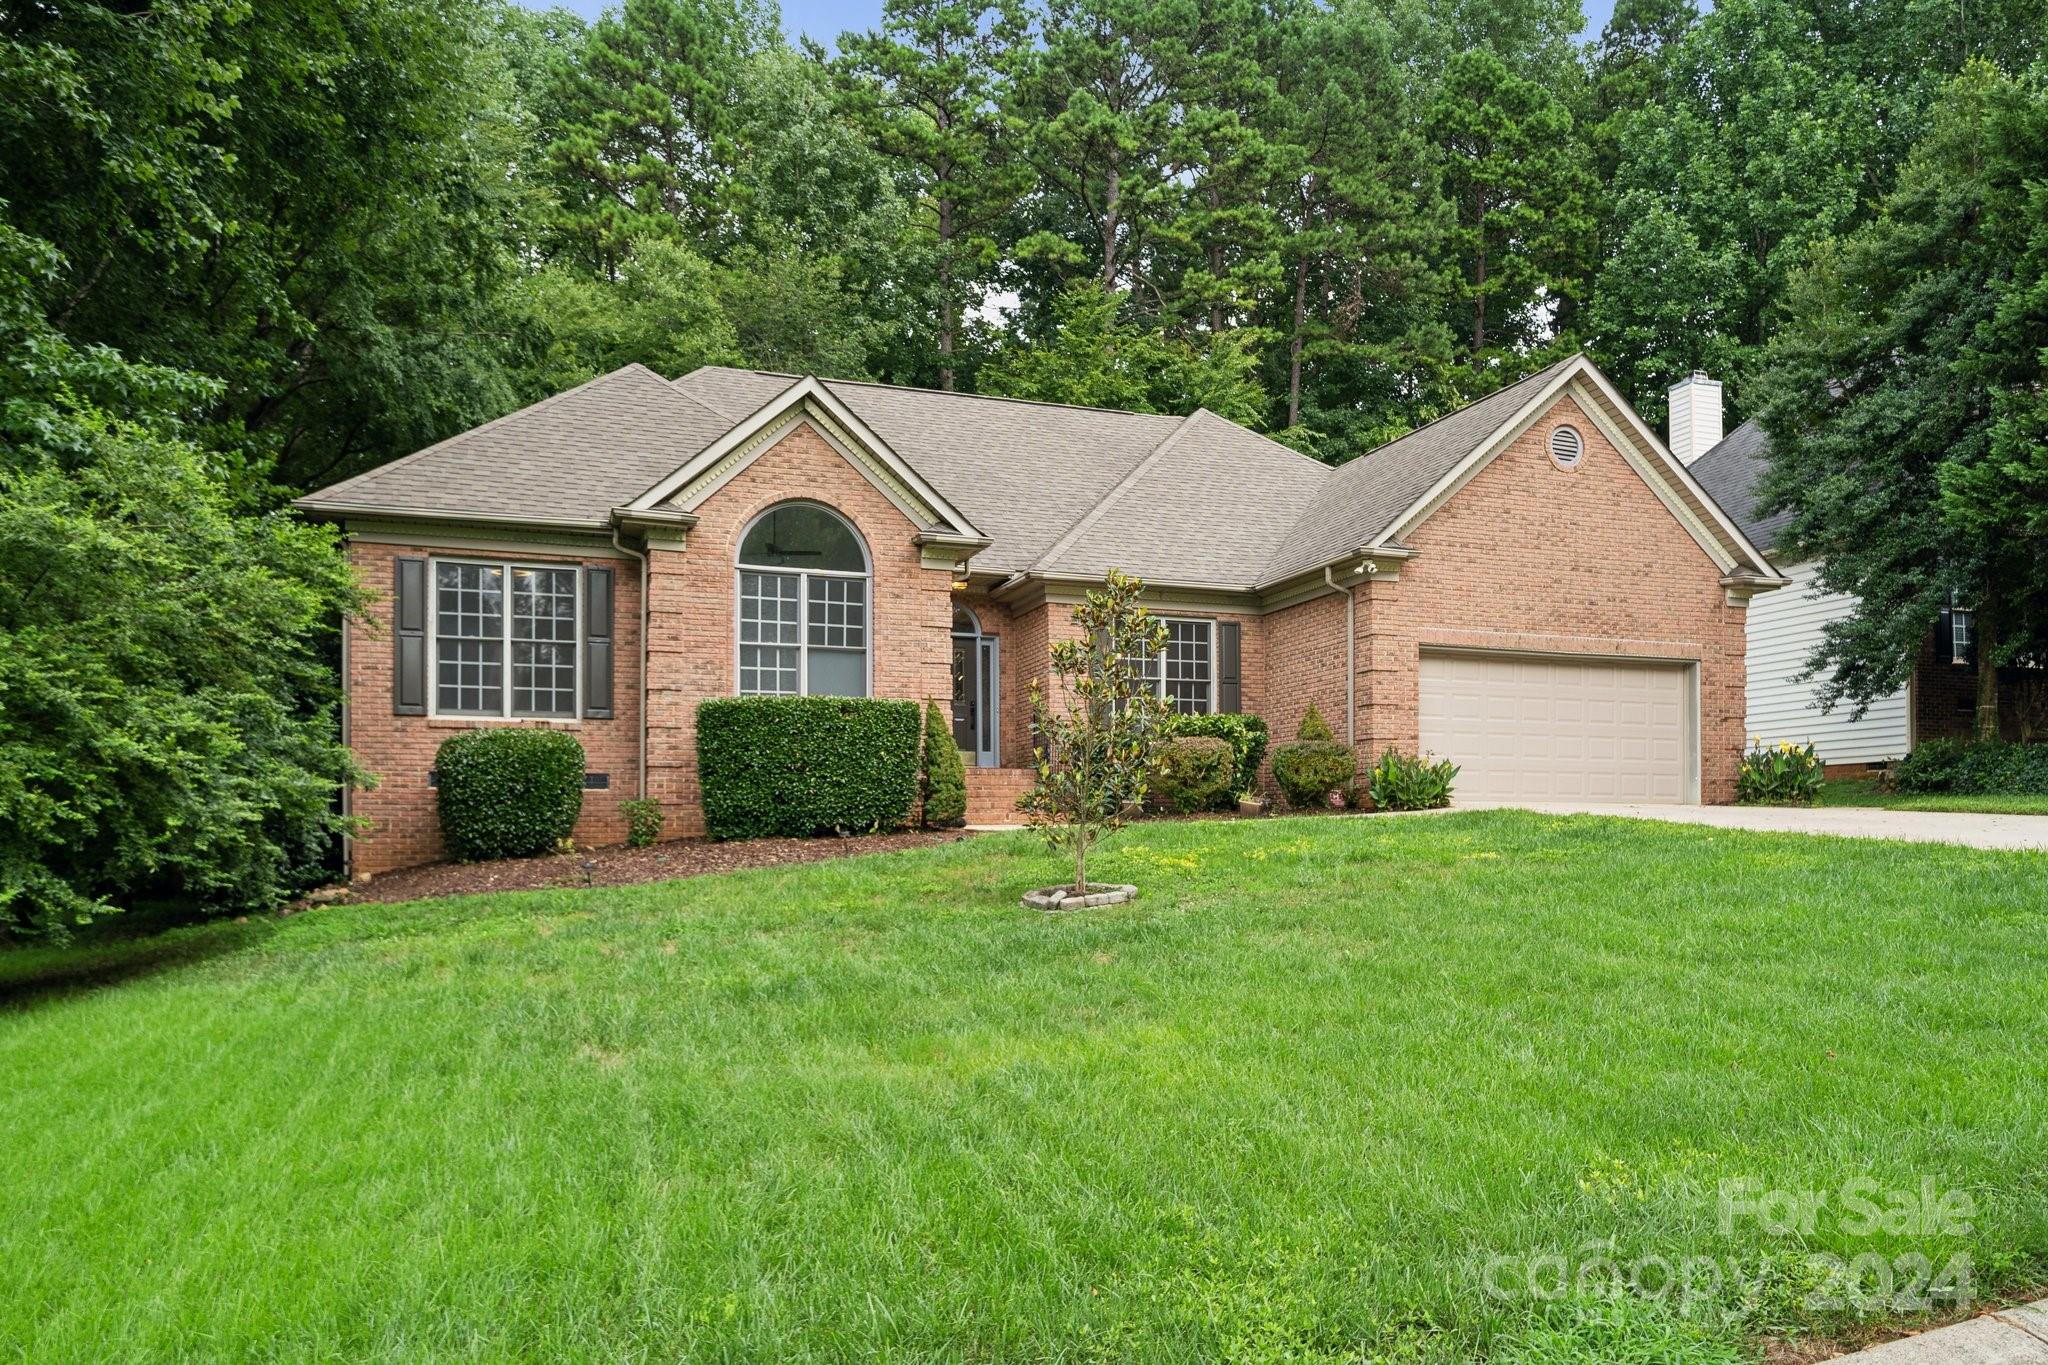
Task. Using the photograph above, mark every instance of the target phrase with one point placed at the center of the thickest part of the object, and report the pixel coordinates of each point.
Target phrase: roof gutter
(339, 510)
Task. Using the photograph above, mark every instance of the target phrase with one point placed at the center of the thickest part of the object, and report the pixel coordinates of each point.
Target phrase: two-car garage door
(1549, 728)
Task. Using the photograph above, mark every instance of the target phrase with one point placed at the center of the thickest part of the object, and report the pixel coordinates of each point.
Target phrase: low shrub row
(798, 766)
(1975, 768)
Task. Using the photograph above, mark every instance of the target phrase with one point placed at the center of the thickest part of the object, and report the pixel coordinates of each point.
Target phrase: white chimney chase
(1695, 416)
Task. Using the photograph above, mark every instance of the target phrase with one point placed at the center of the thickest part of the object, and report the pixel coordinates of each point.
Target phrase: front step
(992, 794)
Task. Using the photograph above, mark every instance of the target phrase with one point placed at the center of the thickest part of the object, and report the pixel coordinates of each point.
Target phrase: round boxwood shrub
(508, 792)
(1194, 774)
(1246, 735)
(1310, 770)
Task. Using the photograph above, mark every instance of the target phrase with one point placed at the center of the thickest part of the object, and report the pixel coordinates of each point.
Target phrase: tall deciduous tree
(1903, 401)
(169, 726)
(1093, 357)
(933, 80)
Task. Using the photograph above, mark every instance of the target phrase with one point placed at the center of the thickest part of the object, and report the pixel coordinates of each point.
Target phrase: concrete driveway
(1913, 826)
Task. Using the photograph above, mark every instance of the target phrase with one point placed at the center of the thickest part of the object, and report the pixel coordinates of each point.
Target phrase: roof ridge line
(1115, 491)
(943, 393)
(1463, 407)
(424, 451)
(1266, 568)
(720, 413)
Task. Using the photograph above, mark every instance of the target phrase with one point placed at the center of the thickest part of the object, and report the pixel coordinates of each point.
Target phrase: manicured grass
(1863, 791)
(1285, 1107)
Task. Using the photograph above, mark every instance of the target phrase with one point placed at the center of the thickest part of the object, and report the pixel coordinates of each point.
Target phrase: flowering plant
(1781, 774)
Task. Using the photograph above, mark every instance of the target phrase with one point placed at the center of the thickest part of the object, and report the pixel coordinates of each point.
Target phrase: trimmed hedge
(1194, 773)
(1247, 736)
(508, 792)
(799, 766)
(942, 777)
(1974, 768)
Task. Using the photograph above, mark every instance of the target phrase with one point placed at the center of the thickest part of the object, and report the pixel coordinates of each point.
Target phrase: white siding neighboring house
(1784, 626)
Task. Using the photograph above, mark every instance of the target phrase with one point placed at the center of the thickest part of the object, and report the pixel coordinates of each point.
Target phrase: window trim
(505, 714)
(740, 567)
(1209, 624)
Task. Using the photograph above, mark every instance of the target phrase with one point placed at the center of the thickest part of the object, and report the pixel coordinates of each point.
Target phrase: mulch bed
(626, 866)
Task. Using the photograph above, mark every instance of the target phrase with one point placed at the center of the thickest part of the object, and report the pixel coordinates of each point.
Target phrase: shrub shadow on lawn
(33, 976)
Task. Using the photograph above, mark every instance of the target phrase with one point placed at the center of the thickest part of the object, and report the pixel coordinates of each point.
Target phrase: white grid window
(1190, 674)
(474, 634)
(803, 605)
(769, 634)
(543, 642)
(1185, 674)
(1959, 624)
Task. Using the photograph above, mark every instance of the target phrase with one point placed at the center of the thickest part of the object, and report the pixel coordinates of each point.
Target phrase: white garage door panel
(1528, 729)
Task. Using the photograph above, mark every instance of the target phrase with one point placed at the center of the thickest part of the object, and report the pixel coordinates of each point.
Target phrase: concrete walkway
(1855, 822)
(2010, 1336)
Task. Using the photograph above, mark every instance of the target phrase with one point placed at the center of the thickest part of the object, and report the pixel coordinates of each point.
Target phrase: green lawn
(1862, 791)
(1287, 1106)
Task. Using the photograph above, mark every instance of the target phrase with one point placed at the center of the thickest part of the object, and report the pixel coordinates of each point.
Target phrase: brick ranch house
(1531, 585)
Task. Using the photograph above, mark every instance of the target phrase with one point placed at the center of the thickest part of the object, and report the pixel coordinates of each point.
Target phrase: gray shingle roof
(567, 459)
(1061, 491)
(1022, 472)
(1364, 497)
(1730, 473)
(1203, 508)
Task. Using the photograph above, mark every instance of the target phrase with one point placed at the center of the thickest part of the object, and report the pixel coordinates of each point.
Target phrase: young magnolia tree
(1098, 739)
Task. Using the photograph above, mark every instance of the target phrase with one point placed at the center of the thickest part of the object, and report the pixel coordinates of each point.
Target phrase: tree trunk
(1294, 343)
(948, 308)
(1111, 185)
(1987, 675)
(1479, 303)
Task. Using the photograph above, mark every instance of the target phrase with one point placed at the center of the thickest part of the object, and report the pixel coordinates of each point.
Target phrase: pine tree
(1518, 179)
(932, 81)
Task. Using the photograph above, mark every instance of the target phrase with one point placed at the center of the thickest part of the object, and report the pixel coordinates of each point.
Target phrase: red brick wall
(1533, 558)
(405, 827)
(692, 650)
(1945, 697)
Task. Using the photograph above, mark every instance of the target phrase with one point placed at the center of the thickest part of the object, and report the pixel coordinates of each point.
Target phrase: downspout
(1350, 658)
(640, 788)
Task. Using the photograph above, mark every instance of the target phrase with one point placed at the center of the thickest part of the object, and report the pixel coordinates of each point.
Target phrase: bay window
(803, 605)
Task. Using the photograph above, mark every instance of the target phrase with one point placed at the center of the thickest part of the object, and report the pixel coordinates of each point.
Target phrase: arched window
(803, 593)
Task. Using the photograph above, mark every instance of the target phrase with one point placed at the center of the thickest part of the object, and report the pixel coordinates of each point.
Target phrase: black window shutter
(597, 643)
(409, 635)
(1945, 636)
(1229, 648)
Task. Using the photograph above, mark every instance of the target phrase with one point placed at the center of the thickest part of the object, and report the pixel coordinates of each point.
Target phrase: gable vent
(1567, 448)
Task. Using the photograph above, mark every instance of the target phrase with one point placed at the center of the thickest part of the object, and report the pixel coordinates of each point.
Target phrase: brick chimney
(1695, 416)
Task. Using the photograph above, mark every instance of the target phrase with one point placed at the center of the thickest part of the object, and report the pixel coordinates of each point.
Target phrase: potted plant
(1098, 740)
(1250, 803)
